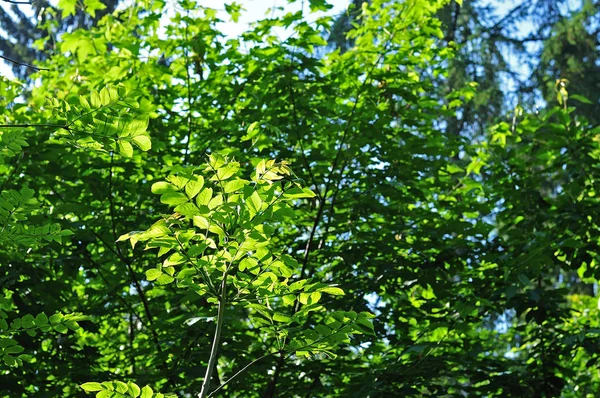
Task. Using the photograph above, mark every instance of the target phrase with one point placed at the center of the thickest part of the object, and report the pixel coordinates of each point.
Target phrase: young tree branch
(214, 351)
(13, 60)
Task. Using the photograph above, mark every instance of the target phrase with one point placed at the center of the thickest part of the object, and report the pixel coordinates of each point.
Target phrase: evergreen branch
(452, 33)
(15, 61)
(501, 23)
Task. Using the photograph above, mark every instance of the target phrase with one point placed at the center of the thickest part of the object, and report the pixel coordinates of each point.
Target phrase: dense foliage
(267, 216)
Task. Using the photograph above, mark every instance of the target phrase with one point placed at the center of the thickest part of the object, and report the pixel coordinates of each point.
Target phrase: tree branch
(15, 61)
(452, 33)
(212, 361)
(17, 2)
(506, 18)
(119, 253)
(270, 392)
(239, 373)
(9, 126)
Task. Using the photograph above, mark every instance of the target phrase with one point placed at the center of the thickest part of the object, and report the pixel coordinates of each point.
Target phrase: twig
(15, 61)
(242, 370)
(9, 126)
(506, 18)
(13, 171)
(120, 254)
(270, 392)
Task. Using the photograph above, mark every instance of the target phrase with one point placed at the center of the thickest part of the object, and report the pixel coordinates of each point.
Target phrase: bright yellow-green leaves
(68, 7)
(110, 121)
(223, 224)
(116, 389)
(11, 352)
(226, 214)
(15, 208)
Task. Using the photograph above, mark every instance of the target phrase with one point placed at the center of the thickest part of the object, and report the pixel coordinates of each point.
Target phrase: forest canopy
(378, 203)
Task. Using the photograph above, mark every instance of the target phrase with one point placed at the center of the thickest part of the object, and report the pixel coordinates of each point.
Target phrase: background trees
(31, 30)
(473, 243)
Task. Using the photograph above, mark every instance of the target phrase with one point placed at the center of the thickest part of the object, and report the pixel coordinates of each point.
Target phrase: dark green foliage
(241, 208)
(571, 53)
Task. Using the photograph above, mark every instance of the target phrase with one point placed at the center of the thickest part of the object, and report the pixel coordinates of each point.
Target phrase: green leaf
(525, 281)
(25, 357)
(125, 148)
(91, 6)
(146, 392)
(204, 197)
(173, 198)
(163, 187)
(297, 193)
(252, 131)
(134, 390)
(194, 186)
(9, 360)
(143, 142)
(278, 317)
(56, 319)
(153, 274)
(298, 285)
(364, 320)
(15, 349)
(121, 387)
(174, 259)
(234, 185)
(254, 203)
(215, 202)
(335, 291)
(249, 263)
(201, 222)
(84, 103)
(95, 99)
(16, 324)
(41, 319)
(581, 99)
(6, 342)
(187, 209)
(309, 298)
(67, 7)
(72, 325)
(60, 328)
(227, 171)
(164, 279)
(28, 321)
(105, 96)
